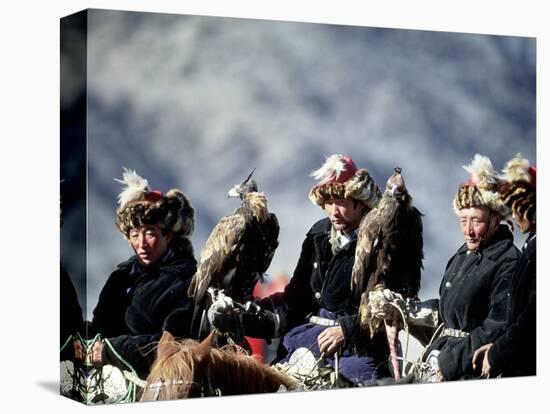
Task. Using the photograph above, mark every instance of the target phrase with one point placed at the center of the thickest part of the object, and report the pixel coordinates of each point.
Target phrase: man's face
(345, 214)
(149, 243)
(477, 225)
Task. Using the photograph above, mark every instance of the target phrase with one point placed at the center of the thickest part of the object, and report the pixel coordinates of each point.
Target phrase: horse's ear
(166, 344)
(206, 345)
(209, 340)
(203, 350)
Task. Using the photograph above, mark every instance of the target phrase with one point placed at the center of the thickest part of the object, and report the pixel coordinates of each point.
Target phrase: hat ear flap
(184, 223)
(363, 188)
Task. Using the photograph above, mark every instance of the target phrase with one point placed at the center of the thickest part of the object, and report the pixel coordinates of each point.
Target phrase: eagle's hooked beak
(234, 192)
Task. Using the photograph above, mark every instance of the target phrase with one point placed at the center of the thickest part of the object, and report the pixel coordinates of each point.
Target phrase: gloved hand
(223, 316)
(262, 323)
(381, 303)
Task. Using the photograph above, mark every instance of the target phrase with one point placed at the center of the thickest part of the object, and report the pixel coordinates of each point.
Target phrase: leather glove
(262, 323)
(381, 303)
(223, 315)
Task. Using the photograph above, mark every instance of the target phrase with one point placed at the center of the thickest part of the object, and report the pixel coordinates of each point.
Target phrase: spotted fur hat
(481, 190)
(340, 178)
(518, 187)
(139, 206)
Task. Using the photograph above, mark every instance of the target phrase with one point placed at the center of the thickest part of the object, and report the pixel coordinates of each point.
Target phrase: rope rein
(306, 377)
(90, 383)
(434, 336)
(298, 359)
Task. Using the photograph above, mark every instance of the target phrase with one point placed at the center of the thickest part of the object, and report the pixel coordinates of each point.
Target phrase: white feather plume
(135, 186)
(517, 169)
(482, 172)
(331, 169)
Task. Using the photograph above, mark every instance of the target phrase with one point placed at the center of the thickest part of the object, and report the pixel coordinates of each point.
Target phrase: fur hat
(139, 206)
(518, 187)
(481, 190)
(340, 178)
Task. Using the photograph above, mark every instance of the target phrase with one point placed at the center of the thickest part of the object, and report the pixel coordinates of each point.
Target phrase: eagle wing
(218, 256)
(270, 236)
(374, 247)
(377, 250)
(389, 252)
(365, 257)
(406, 269)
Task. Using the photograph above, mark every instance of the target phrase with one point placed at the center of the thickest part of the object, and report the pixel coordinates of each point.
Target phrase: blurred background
(196, 103)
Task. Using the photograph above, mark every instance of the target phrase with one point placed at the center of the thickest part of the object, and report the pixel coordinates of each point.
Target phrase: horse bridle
(208, 391)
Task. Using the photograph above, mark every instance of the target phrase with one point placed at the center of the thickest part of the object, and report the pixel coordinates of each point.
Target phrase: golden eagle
(389, 251)
(238, 251)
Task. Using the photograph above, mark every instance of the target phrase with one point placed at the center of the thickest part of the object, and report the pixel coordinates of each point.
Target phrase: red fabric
(153, 196)
(262, 290)
(345, 175)
(257, 347)
(533, 173)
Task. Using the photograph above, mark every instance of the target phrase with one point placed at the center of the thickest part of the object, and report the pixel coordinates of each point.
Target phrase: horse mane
(244, 374)
(188, 368)
(172, 373)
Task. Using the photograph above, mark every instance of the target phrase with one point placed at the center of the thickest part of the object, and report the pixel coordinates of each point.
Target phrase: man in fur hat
(141, 295)
(514, 352)
(321, 282)
(471, 306)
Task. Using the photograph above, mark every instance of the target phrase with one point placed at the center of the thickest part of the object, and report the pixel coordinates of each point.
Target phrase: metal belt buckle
(317, 320)
(457, 333)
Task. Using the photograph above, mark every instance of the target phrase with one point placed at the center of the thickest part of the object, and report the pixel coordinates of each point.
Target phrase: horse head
(188, 368)
(172, 375)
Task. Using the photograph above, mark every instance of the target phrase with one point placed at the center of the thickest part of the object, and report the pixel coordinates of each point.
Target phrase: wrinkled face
(149, 243)
(344, 213)
(477, 225)
(523, 224)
